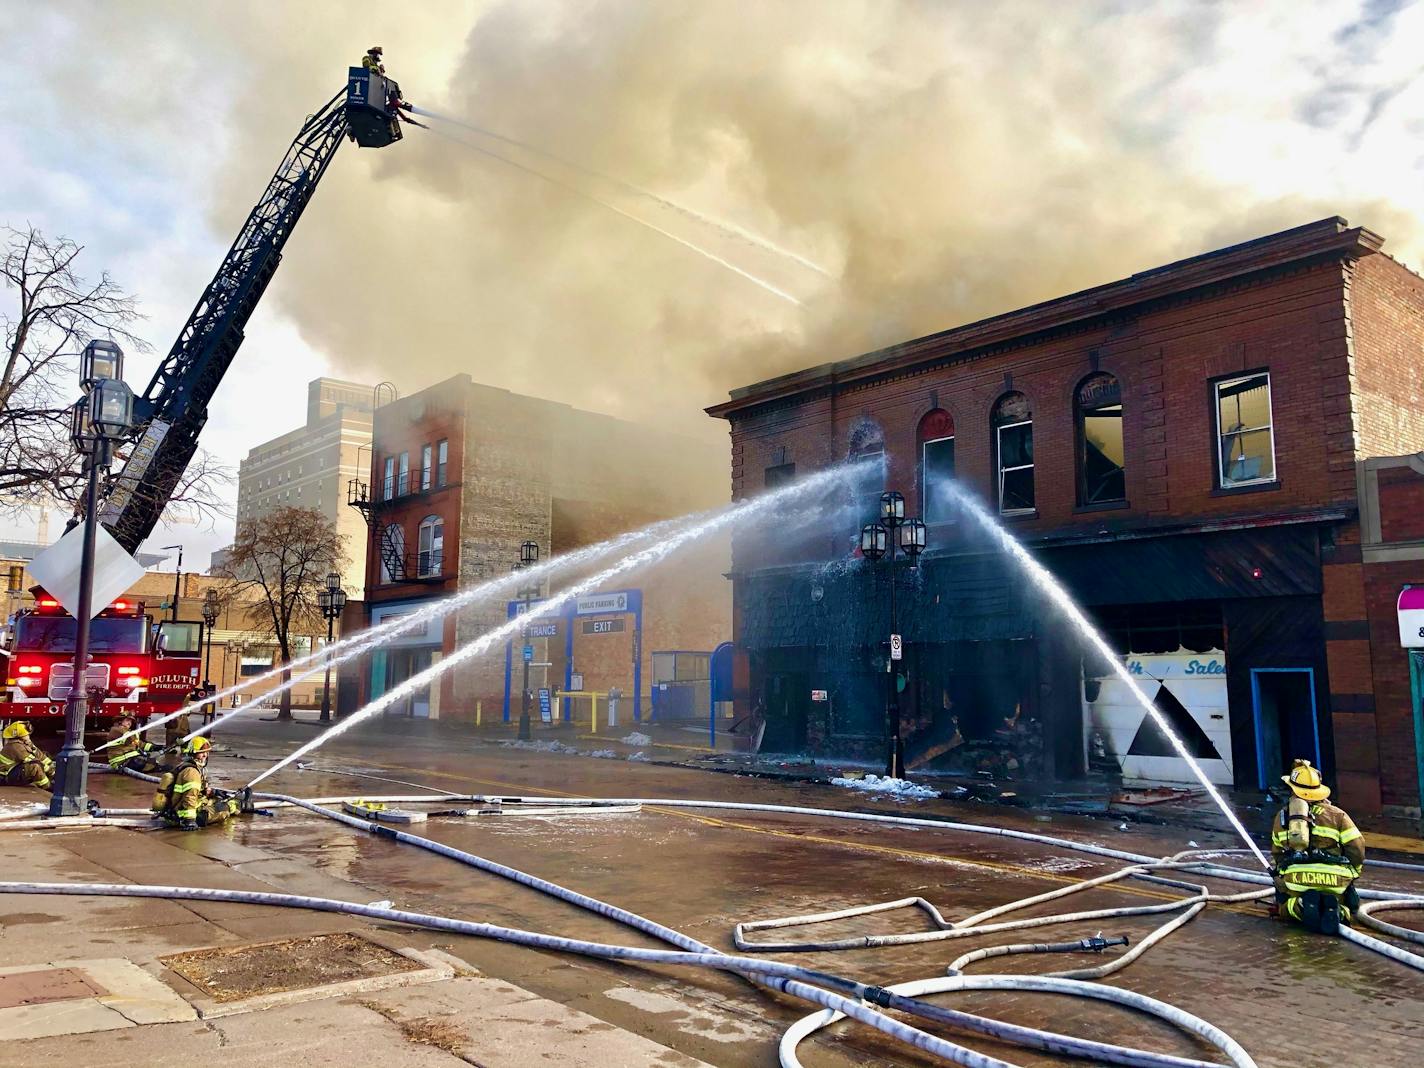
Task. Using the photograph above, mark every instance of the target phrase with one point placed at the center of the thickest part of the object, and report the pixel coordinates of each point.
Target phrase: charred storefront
(1222, 630)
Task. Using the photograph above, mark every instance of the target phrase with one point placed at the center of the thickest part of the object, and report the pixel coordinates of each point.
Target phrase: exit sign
(603, 626)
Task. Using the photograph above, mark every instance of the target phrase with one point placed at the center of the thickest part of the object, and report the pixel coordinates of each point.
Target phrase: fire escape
(396, 563)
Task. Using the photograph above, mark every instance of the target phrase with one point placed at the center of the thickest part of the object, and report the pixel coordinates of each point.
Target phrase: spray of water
(754, 279)
(366, 640)
(728, 228)
(695, 527)
(339, 652)
(1066, 605)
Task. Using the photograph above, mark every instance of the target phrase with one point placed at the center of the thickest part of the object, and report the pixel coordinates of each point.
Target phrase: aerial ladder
(170, 415)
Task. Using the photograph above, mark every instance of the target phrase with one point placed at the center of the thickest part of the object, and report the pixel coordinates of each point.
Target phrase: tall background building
(310, 466)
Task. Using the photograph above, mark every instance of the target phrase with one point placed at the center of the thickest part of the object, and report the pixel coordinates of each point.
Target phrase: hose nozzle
(1098, 943)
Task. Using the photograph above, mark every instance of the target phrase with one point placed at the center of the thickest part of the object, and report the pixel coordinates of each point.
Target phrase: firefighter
(175, 730)
(1318, 852)
(185, 800)
(372, 60)
(22, 763)
(129, 750)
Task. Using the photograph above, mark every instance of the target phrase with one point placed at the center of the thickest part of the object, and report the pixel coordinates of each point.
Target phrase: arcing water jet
(694, 528)
(1069, 608)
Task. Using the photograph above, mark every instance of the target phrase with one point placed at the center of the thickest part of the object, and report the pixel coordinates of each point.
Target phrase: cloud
(943, 161)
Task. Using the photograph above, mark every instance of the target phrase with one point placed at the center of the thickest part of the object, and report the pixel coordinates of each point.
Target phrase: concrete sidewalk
(82, 980)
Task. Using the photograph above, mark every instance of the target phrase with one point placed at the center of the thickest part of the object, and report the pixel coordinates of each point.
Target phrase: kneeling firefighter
(186, 801)
(1318, 853)
(22, 763)
(129, 749)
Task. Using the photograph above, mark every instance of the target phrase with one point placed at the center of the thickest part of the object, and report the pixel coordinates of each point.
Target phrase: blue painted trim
(1256, 716)
(1416, 690)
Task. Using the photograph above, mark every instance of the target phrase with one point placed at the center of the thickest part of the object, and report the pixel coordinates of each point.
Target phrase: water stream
(1065, 604)
(693, 529)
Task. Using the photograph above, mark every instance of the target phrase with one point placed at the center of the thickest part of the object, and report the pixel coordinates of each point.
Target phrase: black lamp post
(211, 608)
(880, 539)
(332, 601)
(528, 557)
(102, 416)
(177, 579)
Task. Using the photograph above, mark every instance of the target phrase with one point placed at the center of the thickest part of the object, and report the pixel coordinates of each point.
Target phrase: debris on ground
(233, 973)
(901, 789)
(636, 739)
(442, 1032)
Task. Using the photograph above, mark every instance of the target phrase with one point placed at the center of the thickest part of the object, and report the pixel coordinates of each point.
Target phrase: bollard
(593, 714)
(479, 711)
(613, 695)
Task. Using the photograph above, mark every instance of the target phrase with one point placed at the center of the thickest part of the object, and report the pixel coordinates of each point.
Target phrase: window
(936, 437)
(403, 482)
(867, 443)
(1098, 406)
(442, 457)
(390, 480)
(1013, 444)
(425, 472)
(1246, 447)
(779, 475)
(431, 546)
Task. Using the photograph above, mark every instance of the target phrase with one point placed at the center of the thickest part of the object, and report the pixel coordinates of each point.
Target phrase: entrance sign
(1411, 617)
(543, 630)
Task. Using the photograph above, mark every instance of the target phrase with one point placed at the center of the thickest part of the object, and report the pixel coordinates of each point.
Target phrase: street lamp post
(177, 579)
(210, 619)
(332, 601)
(103, 415)
(235, 650)
(892, 530)
(528, 557)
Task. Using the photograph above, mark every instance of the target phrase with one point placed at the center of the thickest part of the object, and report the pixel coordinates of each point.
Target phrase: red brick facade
(1338, 326)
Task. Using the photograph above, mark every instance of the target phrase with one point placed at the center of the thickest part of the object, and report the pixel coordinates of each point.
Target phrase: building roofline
(1329, 237)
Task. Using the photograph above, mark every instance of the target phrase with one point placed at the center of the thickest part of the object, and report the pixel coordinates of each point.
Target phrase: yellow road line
(866, 847)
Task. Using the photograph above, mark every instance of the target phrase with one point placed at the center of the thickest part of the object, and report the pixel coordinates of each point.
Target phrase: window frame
(924, 476)
(388, 480)
(1080, 416)
(403, 475)
(426, 456)
(999, 463)
(442, 460)
(1217, 385)
(777, 476)
(430, 562)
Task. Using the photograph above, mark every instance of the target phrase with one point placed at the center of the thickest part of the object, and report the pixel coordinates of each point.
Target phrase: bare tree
(55, 312)
(279, 563)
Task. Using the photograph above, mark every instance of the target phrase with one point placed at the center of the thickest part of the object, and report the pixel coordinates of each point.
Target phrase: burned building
(1185, 450)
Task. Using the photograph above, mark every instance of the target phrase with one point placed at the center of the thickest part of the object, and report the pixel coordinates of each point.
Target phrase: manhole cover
(294, 964)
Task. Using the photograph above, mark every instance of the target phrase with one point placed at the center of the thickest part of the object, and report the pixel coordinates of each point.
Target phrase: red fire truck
(136, 664)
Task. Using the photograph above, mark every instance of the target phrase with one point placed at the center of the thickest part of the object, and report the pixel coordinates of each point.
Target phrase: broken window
(1246, 448)
(1013, 443)
(936, 437)
(1101, 476)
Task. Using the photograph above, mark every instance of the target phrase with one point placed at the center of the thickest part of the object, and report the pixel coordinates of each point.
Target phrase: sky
(826, 176)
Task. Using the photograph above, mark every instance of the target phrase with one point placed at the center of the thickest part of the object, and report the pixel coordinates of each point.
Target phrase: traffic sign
(57, 569)
(528, 654)
(897, 648)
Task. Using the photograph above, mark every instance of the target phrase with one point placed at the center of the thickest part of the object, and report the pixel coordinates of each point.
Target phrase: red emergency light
(47, 603)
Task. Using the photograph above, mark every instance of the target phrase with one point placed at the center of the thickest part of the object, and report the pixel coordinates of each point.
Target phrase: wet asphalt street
(1290, 998)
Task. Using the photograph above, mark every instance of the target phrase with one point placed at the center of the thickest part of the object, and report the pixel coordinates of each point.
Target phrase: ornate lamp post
(528, 557)
(101, 417)
(879, 540)
(211, 608)
(332, 602)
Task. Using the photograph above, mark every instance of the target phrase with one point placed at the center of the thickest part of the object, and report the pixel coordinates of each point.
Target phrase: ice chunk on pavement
(884, 784)
(636, 739)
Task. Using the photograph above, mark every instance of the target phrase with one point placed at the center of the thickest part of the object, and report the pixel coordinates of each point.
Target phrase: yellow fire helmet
(198, 745)
(19, 729)
(1305, 782)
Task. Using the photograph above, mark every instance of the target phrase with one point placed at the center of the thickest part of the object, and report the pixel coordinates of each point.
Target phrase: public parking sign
(528, 654)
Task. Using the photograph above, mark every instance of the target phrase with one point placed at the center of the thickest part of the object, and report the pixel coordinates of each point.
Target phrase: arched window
(392, 553)
(431, 558)
(1013, 453)
(1097, 406)
(936, 439)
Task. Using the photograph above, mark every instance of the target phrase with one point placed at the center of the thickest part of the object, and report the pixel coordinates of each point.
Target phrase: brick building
(463, 473)
(1186, 450)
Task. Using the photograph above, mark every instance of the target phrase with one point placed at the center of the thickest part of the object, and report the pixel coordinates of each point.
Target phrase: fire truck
(137, 665)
